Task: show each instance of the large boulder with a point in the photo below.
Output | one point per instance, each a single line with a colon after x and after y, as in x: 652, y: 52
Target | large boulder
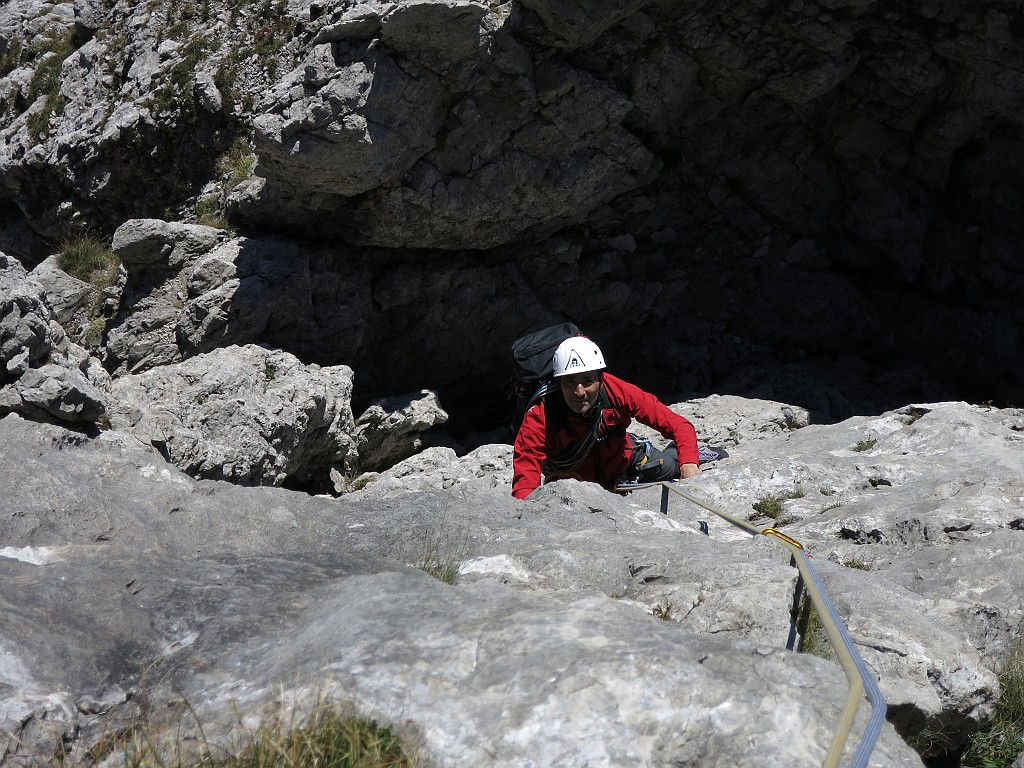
x: 170, y: 586
x: 43, y: 375
x: 392, y: 428
x: 913, y: 519
x: 156, y: 256
x: 30, y: 332
x: 246, y: 414
x: 70, y: 297
x: 191, y: 289
x: 336, y: 146
x: 928, y: 497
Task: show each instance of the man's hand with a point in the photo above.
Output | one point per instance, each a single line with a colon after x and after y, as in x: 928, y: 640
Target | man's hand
x: 688, y: 470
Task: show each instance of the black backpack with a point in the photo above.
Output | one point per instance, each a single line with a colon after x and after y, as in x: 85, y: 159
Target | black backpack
x: 531, y: 366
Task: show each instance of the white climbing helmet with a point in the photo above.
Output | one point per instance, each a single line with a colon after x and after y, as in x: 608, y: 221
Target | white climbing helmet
x: 577, y: 354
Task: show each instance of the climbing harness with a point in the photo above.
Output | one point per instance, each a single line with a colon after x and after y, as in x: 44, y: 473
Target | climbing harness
x: 860, y: 679
x: 649, y: 464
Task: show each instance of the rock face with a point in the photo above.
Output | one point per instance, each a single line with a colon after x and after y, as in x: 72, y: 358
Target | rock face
x: 157, y: 257
x: 193, y: 289
x: 42, y: 374
x: 632, y: 166
x: 391, y: 430
x: 813, y: 205
x: 442, y: 160
x: 247, y: 414
x: 583, y: 625
x: 243, y: 414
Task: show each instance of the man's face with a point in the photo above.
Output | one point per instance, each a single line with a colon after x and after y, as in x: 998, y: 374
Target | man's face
x: 580, y: 391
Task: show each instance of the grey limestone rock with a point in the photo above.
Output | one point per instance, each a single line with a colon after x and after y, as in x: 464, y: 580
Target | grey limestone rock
x: 751, y: 176
x: 57, y: 392
x: 568, y: 24
x: 29, y: 332
x: 192, y: 289
x: 360, y: 130
x: 728, y: 420
x: 922, y: 496
x: 311, y: 596
x: 913, y: 517
x: 456, y: 98
x: 43, y: 373
x: 692, y: 164
x: 520, y: 691
x: 81, y: 308
x: 391, y: 429
x: 68, y: 295
x: 156, y: 256
x: 393, y: 123
x: 245, y: 414
x: 439, y: 468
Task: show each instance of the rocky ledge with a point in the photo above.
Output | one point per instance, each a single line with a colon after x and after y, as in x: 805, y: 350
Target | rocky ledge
x: 583, y: 627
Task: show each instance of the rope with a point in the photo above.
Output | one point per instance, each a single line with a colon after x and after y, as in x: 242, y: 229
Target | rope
x: 573, y: 455
x: 858, y: 676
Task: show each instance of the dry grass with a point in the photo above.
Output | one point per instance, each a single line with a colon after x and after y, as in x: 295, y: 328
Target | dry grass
x: 328, y: 737
x: 1003, y: 741
x: 89, y: 259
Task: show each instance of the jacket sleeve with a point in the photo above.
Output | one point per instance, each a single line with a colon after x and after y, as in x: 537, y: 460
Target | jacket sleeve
x: 647, y: 409
x: 528, y: 454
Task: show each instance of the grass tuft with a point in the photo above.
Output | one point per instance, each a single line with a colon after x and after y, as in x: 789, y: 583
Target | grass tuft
x: 933, y: 741
x: 999, y: 745
x: 326, y: 739
x: 89, y: 259
x: 771, y: 506
x: 768, y: 506
x: 10, y: 58
x: 331, y: 736
x: 663, y: 612
x: 237, y: 162
x: 46, y: 81
x: 208, y: 213
x: 813, y: 637
x: 443, y: 566
x: 443, y: 550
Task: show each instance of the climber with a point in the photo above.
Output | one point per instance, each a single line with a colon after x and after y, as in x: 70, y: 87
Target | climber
x: 579, y: 429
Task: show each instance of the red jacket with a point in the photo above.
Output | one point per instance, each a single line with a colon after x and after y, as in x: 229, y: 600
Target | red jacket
x: 611, y: 457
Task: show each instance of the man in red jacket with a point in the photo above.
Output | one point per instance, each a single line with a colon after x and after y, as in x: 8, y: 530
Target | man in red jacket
x: 579, y: 431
